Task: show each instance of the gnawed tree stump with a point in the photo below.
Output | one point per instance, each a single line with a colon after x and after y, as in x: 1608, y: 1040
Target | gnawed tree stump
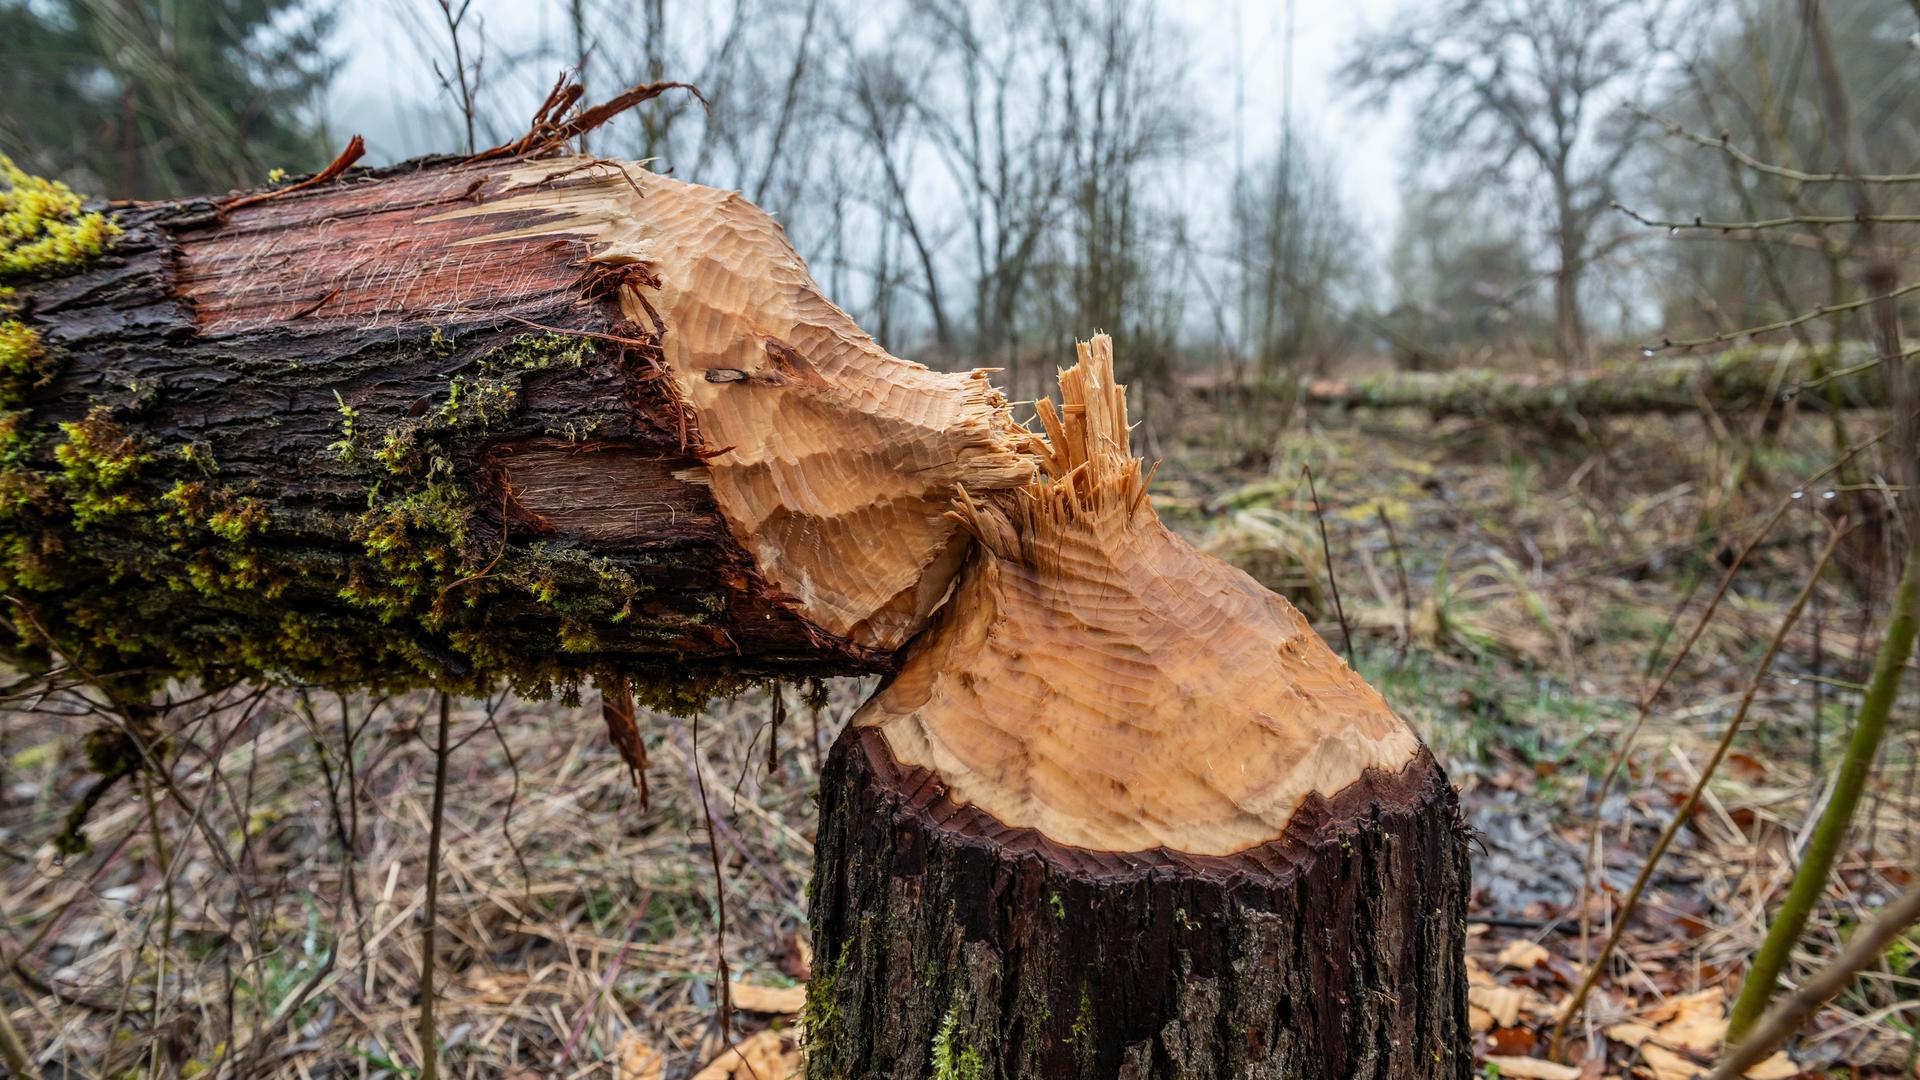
x: 1122, y: 813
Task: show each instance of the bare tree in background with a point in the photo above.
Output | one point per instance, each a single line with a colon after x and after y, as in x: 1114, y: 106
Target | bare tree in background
x: 982, y: 171
x: 881, y: 100
x: 1297, y: 251
x: 1123, y: 114
x: 1531, y: 83
x: 993, y: 111
x: 1749, y: 79
x: 1463, y: 282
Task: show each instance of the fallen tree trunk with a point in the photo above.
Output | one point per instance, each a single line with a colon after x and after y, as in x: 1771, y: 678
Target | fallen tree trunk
x: 458, y: 422
x: 1737, y: 379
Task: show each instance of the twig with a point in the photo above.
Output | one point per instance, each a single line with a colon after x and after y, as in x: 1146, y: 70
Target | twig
x: 1810, y: 878
x: 1870, y: 724
x: 719, y: 892
x: 1821, y: 220
x: 1597, y: 964
x: 1841, y: 373
x: 459, y: 63
x: 1784, y: 1019
x: 1724, y: 144
x: 1400, y: 569
x: 513, y: 793
x: 1820, y: 312
x: 1673, y: 666
x: 429, y: 1037
x: 1326, y: 552
x: 166, y: 918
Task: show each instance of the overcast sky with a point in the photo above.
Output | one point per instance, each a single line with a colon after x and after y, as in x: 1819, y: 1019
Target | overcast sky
x: 387, y: 93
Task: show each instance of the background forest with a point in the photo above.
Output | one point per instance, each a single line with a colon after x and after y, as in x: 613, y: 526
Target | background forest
x: 1568, y: 306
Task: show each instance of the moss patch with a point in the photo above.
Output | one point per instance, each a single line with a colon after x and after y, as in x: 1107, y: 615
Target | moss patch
x: 44, y: 227
x: 949, y: 1063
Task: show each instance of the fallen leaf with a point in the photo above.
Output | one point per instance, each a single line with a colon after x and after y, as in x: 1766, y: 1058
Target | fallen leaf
x: 1514, y: 1041
x: 758, y: 1057
x: 1526, y: 1068
x: 635, y: 1059
x: 1478, y: 1018
x: 1712, y: 1000
x: 1694, y: 1022
x: 1501, y: 1002
x: 1746, y: 766
x: 1523, y: 954
x: 752, y: 997
x: 1777, y: 1067
x: 1665, y: 1064
x: 1629, y: 1033
x: 1700, y: 1032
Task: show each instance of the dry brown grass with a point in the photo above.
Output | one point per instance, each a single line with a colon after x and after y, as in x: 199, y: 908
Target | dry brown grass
x: 568, y: 918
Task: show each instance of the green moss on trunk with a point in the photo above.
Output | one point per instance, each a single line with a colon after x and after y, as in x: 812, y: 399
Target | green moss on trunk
x: 338, y: 506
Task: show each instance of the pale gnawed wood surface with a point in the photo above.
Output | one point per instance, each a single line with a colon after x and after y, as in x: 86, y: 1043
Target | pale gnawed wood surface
x: 1097, y: 679
x: 833, y: 461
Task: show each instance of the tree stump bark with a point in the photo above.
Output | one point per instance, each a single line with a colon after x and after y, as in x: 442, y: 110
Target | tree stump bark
x: 1333, y: 951
x: 1120, y: 812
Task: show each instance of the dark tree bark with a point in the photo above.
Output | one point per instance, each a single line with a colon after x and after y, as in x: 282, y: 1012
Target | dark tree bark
x: 1334, y: 951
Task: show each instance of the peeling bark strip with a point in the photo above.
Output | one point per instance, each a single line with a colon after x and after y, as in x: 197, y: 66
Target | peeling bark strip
x: 452, y: 422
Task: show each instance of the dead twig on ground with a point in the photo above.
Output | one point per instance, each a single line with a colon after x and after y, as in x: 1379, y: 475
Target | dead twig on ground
x: 1597, y: 965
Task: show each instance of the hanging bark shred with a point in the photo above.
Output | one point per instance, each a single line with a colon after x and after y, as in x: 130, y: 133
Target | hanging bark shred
x: 616, y: 706
x: 356, y: 149
x: 552, y: 127
x: 777, y: 714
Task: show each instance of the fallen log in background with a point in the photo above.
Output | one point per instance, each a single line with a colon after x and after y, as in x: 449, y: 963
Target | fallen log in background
x: 1736, y: 379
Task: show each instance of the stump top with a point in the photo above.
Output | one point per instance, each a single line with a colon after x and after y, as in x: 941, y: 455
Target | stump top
x: 1098, y: 680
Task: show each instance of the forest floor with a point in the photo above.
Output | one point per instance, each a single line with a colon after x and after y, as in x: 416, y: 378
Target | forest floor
x: 1514, y: 596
